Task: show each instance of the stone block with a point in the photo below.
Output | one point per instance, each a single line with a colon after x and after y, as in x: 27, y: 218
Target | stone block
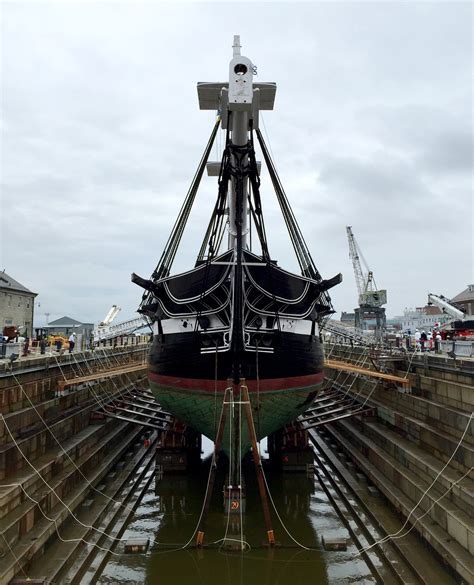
x: 470, y: 541
x: 334, y: 543
x: 30, y: 581
x: 136, y: 545
x: 458, y: 531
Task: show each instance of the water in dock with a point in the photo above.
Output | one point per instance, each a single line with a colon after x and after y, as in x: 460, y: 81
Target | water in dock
x: 169, y: 513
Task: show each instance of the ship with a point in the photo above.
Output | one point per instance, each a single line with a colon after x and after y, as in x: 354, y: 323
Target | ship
x: 236, y: 317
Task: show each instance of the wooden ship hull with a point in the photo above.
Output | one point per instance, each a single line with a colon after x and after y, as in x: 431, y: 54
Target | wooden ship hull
x: 236, y: 318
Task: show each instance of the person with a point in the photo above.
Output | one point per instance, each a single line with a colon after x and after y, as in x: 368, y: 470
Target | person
x: 4, y: 340
x: 438, y: 342
x: 423, y: 339
x: 26, y: 346
x: 42, y: 345
x: 72, y: 342
x: 417, y: 338
x: 59, y: 345
x: 430, y: 339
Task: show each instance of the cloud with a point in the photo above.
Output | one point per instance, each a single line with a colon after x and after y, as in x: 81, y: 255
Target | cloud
x: 101, y: 137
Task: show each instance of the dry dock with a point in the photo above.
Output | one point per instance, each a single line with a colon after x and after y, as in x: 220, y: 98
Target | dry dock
x: 74, y: 467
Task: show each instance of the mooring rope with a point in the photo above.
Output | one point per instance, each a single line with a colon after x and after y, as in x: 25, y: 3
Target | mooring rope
x: 397, y: 535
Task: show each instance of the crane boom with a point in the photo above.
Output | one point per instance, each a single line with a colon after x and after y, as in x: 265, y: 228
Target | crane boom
x: 446, y: 306
x: 368, y: 293
x: 114, y: 311
x: 354, y: 256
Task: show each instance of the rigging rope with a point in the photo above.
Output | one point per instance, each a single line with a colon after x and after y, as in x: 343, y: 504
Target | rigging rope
x: 164, y: 265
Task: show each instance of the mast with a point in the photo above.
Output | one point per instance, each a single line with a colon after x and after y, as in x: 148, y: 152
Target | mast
x: 240, y: 112
x: 238, y: 102
x: 240, y: 108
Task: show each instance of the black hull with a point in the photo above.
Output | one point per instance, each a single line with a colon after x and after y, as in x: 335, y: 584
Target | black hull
x: 179, y: 354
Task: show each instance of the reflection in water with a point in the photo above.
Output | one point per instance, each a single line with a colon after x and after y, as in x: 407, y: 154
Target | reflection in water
x: 181, y: 500
x: 169, y: 515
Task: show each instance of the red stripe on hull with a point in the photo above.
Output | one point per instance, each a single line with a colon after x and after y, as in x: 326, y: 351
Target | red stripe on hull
x: 269, y: 385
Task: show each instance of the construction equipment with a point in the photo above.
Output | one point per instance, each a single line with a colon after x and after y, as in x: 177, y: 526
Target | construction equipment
x: 114, y: 311
x: 447, y: 306
x: 106, y: 330
x: 462, y: 326
x: 370, y: 313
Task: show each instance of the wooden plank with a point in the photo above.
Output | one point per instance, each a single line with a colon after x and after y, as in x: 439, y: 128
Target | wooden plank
x: 346, y: 367
x: 62, y: 384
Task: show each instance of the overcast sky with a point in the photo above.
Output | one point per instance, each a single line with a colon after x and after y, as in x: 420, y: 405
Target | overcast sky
x: 101, y: 136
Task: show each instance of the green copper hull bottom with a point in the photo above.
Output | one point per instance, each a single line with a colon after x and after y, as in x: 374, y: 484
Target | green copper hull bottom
x: 201, y: 410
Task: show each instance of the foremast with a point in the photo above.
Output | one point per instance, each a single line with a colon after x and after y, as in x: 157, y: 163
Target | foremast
x: 239, y: 106
x: 267, y: 309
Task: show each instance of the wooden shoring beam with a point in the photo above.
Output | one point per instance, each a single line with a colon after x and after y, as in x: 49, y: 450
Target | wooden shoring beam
x: 137, y: 412
x: 144, y: 402
x: 139, y: 398
x: 62, y: 384
x: 312, y: 416
x: 351, y: 368
x: 326, y: 397
x: 245, y: 399
x: 308, y: 426
x: 321, y: 407
x: 142, y: 423
x: 156, y: 409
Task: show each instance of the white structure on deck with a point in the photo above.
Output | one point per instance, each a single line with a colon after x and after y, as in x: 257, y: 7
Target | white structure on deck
x: 106, y: 330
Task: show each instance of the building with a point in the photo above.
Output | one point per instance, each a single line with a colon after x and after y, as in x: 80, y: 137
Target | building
x: 348, y: 318
x: 17, y: 304
x: 67, y: 325
x: 395, y: 323
x: 426, y: 318
x: 465, y: 299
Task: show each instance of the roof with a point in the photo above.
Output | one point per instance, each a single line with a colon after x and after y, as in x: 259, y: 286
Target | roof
x: 7, y: 282
x: 465, y: 295
x: 432, y: 310
x: 63, y: 321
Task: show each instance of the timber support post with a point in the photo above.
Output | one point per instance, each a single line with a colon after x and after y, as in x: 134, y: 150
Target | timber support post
x: 245, y: 398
